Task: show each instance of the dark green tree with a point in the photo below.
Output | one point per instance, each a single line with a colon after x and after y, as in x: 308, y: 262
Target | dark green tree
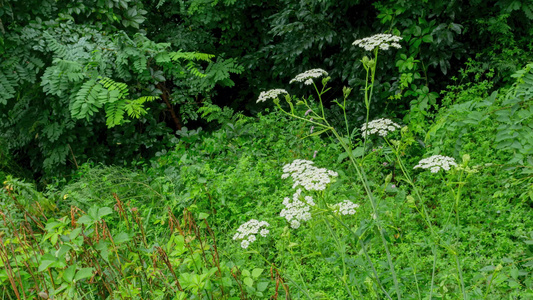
x: 82, y: 81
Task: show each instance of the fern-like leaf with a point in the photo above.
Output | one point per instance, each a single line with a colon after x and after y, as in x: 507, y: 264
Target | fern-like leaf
x: 115, y: 113
x: 7, y: 88
x: 112, y: 85
x: 219, y: 72
x: 190, y: 56
x: 191, y: 66
x: 53, y: 82
x: 135, y: 108
x: 528, y: 10
x: 86, y: 101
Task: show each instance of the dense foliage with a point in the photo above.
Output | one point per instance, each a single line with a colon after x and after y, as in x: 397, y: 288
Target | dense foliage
x: 151, y: 55
x: 401, y: 171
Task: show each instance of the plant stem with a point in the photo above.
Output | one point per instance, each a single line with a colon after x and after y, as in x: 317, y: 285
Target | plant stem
x: 433, y: 271
x: 494, y: 274
x: 460, y: 275
x: 362, y: 177
x: 342, y: 252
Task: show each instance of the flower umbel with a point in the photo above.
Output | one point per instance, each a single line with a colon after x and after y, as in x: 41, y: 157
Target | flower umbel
x: 380, y: 126
x: 308, y: 76
x: 297, y: 211
x: 346, y: 207
x: 304, y: 174
x: 271, y: 94
x: 383, y: 40
x: 436, y: 162
x: 247, y: 232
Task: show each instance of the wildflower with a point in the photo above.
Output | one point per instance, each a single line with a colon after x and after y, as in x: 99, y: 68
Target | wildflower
x: 383, y: 41
x: 314, y: 154
x: 312, y: 128
x: 307, y: 76
x: 380, y: 126
x: 308, y: 111
x: 297, y: 210
x: 393, y: 186
x: 247, y: 232
x: 271, y: 94
x: 436, y: 162
x: 295, y: 224
x: 346, y: 207
x: 308, y: 176
x: 245, y: 244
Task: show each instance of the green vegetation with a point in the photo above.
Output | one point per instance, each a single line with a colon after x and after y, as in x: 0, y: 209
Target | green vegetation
x: 250, y: 150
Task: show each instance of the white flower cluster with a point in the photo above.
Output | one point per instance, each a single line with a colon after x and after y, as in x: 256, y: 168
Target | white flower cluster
x: 297, y: 211
x: 436, y: 162
x: 307, y: 76
x: 308, y: 176
x: 346, y: 207
x: 383, y: 40
x: 247, y: 232
x: 379, y: 126
x: 271, y: 94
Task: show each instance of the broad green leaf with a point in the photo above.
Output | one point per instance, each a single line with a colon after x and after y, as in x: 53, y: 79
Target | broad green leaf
x: 103, y: 247
x: 84, y: 273
x: 85, y: 219
x: 62, y: 251
x: 45, y: 264
x: 262, y: 286
x: 257, y: 272
x: 358, y: 152
x: 68, y: 275
x: 513, y: 284
x: 427, y: 38
x: 487, y: 269
x: 104, y: 211
x: 180, y: 243
x: 248, y: 281
x: 74, y: 233
x: 121, y: 238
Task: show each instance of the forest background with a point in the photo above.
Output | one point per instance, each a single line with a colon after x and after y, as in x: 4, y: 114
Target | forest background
x: 132, y: 143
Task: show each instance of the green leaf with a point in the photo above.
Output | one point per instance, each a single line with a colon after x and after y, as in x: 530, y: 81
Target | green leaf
x: 257, y: 272
x: 103, y: 247
x: 427, y: 38
x: 63, y: 250
x: 487, y: 269
x: 104, y: 211
x: 248, y: 281
x: 68, y: 275
x: 45, y: 264
x: 180, y: 243
x: 85, y: 219
x: 358, y: 152
x: 262, y: 286
x: 121, y: 238
x: 74, y: 233
x: 84, y: 273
